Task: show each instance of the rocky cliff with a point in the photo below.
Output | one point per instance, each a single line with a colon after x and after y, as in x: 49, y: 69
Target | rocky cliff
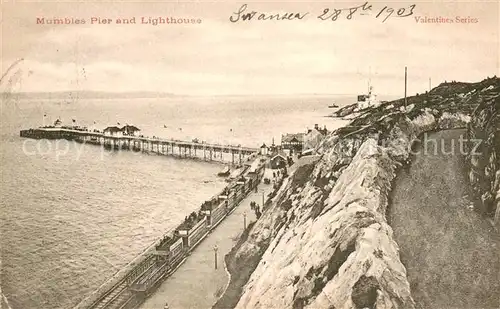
x: 324, y: 241
x: 483, y: 132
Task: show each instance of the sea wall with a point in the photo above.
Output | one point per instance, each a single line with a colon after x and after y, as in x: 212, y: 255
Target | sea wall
x: 484, y: 158
x: 324, y: 242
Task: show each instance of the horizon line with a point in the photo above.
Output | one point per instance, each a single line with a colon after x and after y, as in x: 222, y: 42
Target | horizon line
x: 173, y: 94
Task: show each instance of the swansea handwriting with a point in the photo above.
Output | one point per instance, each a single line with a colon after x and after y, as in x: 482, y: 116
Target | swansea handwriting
x: 328, y: 14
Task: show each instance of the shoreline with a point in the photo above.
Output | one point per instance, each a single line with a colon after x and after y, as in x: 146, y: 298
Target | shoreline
x: 114, y: 282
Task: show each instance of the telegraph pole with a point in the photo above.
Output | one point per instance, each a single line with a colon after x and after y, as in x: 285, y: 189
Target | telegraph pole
x: 430, y: 84
x: 215, y: 253
x: 406, y: 82
x: 271, y: 227
x: 245, y: 220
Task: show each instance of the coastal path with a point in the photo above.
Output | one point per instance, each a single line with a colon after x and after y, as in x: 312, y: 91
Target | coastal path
x: 452, y: 255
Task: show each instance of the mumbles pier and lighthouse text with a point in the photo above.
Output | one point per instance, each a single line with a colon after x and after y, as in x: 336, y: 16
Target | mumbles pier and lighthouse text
x: 96, y: 20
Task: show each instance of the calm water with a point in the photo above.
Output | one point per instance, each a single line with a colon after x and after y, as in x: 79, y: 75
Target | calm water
x: 72, y: 215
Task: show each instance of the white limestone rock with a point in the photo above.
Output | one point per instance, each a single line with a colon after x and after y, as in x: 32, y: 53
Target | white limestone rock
x: 453, y: 120
x: 314, y: 262
x: 330, y: 244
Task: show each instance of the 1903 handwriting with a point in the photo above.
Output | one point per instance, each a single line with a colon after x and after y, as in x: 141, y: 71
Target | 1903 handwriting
x: 364, y: 9
x: 328, y: 14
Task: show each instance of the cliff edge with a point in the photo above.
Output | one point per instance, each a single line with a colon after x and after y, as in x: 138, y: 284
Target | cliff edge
x: 484, y: 163
x: 324, y: 241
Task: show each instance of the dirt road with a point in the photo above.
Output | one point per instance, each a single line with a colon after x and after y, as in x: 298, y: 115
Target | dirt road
x: 452, y: 255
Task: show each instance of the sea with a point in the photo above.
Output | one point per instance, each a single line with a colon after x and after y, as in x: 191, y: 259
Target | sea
x: 72, y: 215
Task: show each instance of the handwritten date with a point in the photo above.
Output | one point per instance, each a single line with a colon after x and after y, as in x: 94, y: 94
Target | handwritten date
x: 364, y: 9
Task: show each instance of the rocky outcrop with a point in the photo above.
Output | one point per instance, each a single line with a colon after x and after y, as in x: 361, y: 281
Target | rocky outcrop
x: 332, y: 237
x: 324, y: 242
x: 483, y: 134
x: 344, y: 111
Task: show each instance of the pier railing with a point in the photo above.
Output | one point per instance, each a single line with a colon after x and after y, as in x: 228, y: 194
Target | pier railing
x: 178, y: 148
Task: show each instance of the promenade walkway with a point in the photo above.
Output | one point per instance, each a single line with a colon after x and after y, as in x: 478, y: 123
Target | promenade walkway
x: 197, y: 284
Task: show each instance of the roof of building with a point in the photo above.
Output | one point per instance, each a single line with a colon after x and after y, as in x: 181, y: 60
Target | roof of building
x: 112, y: 129
x: 129, y: 128
x: 279, y: 153
x: 291, y: 136
x: 126, y: 128
x: 317, y: 128
x: 322, y: 131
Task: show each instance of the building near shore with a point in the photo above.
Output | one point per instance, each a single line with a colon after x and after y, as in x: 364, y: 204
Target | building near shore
x: 113, y: 131
x: 264, y: 150
x: 294, y: 142
x: 313, y: 137
x: 130, y: 130
x: 127, y: 130
x: 368, y: 100
x: 278, y: 160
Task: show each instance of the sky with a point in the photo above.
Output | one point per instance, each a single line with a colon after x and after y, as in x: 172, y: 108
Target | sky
x: 256, y: 57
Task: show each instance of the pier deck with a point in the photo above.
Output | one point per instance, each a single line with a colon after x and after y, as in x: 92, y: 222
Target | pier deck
x: 183, y: 149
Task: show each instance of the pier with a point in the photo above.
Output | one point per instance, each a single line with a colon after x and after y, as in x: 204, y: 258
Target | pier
x: 231, y: 154
x: 130, y: 287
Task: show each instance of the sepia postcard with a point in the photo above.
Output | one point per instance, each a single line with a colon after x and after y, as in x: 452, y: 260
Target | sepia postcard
x: 304, y: 154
